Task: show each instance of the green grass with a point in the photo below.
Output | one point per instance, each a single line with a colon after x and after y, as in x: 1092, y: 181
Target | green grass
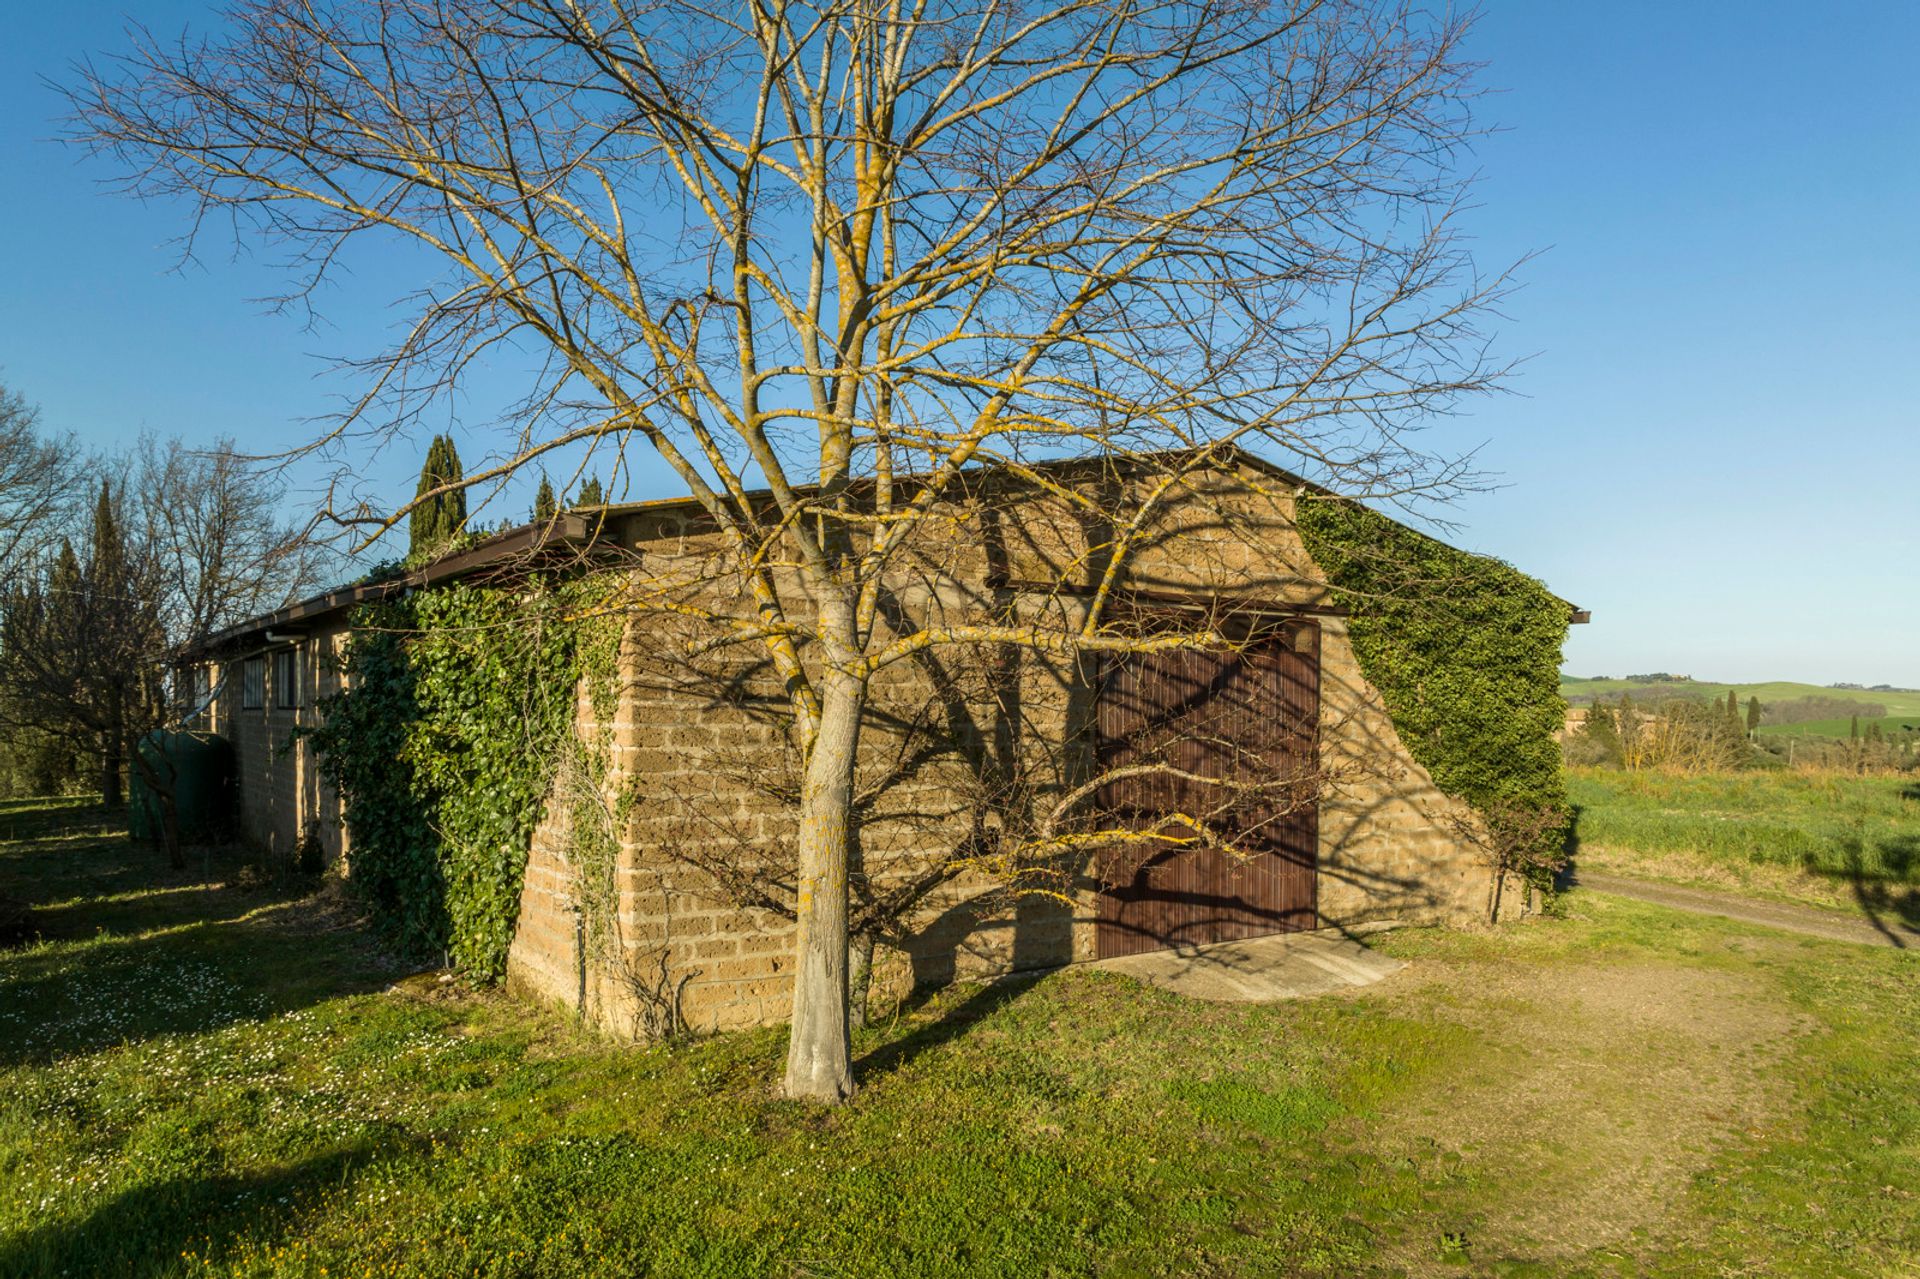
x: 1897, y: 704
x: 1894, y: 726
x: 1828, y: 839
x: 1845, y: 828
x: 198, y: 1077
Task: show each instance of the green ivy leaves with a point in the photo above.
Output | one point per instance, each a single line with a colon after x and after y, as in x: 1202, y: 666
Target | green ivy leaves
x: 442, y: 747
x: 1465, y: 651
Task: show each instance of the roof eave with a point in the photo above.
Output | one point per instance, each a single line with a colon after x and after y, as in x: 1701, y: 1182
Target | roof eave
x: 569, y: 528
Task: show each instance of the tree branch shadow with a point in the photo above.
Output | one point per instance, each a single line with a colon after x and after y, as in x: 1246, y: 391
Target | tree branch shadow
x: 1885, y: 893
x: 950, y: 1025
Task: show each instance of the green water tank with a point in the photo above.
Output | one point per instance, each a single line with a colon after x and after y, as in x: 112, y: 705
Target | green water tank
x: 201, y: 765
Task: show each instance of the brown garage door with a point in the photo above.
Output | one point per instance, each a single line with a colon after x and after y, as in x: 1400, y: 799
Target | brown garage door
x: 1248, y: 719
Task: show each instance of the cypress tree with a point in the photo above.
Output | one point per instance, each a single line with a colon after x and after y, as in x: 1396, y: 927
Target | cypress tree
x: 439, y: 519
x: 543, y: 506
x: 1733, y: 706
x: 64, y: 583
x: 108, y: 588
x: 1753, y: 714
x: 590, y: 492
x: 1853, y: 732
x: 107, y: 560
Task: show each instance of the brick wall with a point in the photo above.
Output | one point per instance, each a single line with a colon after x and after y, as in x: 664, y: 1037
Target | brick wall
x: 696, y: 765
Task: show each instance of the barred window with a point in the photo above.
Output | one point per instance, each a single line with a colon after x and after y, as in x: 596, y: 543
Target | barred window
x: 286, y: 678
x: 253, y: 684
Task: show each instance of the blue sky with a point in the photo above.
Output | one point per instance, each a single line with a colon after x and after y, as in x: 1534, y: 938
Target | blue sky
x: 1713, y: 443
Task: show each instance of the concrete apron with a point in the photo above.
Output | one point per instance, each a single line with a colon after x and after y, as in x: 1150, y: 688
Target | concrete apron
x: 1263, y: 969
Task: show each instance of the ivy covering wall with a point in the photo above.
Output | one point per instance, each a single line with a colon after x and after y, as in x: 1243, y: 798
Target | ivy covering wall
x: 1465, y: 651
x: 442, y: 745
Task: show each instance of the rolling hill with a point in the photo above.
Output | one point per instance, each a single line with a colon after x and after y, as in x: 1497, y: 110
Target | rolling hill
x: 1902, y: 707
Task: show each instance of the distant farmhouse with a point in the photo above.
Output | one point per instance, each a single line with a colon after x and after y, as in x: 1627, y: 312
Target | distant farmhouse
x: 1371, y: 837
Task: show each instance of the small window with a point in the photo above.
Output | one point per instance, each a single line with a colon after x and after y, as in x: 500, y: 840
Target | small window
x: 253, y: 683
x: 286, y: 678
x: 194, y: 685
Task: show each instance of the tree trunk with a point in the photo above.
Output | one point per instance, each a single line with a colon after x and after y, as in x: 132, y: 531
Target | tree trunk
x: 859, y: 978
x: 170, y: 832
x: 113, y: 750
x: 110, y: 793
x: 820, y: 1056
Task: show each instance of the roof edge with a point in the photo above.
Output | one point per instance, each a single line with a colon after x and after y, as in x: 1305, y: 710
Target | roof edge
x: 573, y: 528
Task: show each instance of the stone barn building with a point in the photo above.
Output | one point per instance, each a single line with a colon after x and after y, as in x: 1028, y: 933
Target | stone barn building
x: 691, y: 932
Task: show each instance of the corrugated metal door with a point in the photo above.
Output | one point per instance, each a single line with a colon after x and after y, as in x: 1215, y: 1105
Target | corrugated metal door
x: 1184, y: 718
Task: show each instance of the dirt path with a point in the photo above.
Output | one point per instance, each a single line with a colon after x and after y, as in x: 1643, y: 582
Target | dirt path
x: 1794, y: 919
x: 1605, y: 1089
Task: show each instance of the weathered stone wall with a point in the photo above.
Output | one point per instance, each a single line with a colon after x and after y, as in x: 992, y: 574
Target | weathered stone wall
x: 1389, y: 841
x: 702, y: 769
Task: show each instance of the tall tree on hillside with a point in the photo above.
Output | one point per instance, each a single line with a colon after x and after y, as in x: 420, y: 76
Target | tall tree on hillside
x: 438, y: 513
x: 1753, y: 715
x: 1853, y: 729
x: 1733, y: 706
x: 1600, y: 732
x: 903, y: 244
x: 543, y: 503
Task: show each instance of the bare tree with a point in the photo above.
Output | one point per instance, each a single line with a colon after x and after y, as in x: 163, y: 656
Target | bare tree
x: 37, y: 499
x: 80, y: 640
x: 219, y: 547
x: 36, y: 486
x: 190, y: 542
x: 847, y: 252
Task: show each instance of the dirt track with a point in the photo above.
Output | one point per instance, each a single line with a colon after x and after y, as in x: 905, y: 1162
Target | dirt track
x: 1868, y: 931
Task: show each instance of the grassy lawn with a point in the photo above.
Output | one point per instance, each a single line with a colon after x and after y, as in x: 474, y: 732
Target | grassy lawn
x: 1828, y: 839
x: 198, y: 1076
x: 1897, y: 728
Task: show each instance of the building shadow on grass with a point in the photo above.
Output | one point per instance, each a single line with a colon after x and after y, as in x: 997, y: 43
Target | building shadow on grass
x: 1568, y: 875
x: 146, y: 1230
x: 129, y: 949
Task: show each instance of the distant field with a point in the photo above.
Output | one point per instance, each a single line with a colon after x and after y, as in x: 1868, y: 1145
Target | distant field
x: 1899, y: 705
x: 1833, y: 840
x: 1894, y: 726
